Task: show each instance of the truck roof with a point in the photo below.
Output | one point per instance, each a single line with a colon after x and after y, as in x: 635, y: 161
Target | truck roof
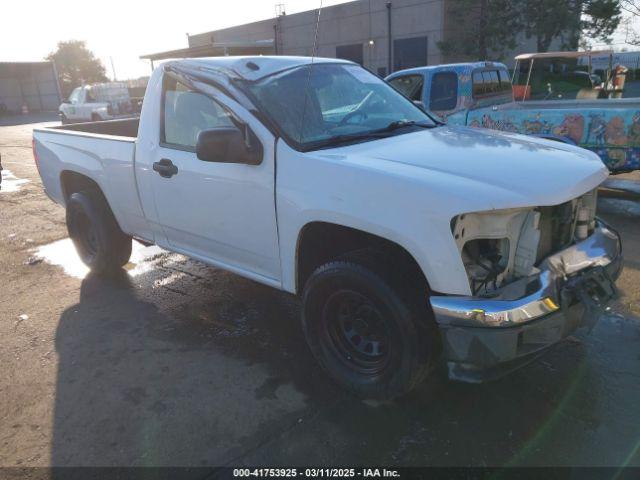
x: 465, y: 67
x: 528, y: 56
x: 253, y: 67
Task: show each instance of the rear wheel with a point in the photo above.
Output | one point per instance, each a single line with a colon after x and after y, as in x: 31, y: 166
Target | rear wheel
x: 63, y: 119
x: 100, y: 243
x: 365, y: 331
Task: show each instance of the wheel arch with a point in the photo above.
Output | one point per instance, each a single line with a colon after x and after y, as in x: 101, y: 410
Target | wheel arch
x: 72, y: 182
x: 319, y: 242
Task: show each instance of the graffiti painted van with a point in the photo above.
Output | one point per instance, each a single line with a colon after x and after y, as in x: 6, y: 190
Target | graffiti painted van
x: 480, y: 94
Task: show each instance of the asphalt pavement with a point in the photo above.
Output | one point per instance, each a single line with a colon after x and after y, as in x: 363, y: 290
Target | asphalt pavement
x: 174, y: 363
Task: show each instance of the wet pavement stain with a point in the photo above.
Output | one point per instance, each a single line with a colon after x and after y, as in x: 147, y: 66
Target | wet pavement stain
x: 269, y: 387
x: 63, y: 254
x: 11, y: 183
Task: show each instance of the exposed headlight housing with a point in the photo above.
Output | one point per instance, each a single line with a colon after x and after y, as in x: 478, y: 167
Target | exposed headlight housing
x: 490, y: 249
x: 500, y: 246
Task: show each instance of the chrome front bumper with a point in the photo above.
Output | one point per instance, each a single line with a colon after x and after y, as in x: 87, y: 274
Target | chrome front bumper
x: 483, y: 336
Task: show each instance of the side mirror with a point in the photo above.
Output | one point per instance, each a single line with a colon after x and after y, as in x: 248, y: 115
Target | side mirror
x: 229, y: 145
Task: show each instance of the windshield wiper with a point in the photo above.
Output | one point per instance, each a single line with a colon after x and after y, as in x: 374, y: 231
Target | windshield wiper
x: 346, y: 138
x: 398, y: 124
x: 372, y: 134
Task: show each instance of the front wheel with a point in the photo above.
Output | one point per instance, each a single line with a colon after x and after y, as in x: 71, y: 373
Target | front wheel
x: 100, y: 243
x: 362, y: 331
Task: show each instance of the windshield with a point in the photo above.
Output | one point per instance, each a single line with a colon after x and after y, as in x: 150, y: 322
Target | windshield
x: 342, y: 102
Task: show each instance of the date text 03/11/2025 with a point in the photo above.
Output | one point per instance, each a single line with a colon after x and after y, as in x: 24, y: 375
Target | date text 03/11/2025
x: 315, y: 472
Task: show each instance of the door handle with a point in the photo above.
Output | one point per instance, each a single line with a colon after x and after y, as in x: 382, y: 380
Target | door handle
x: 165, y: 168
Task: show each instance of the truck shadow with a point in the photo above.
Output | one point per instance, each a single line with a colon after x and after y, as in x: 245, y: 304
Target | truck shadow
x: 150, y: 377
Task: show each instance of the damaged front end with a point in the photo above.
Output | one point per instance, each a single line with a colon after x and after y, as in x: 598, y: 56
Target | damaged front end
x: 535, y: 275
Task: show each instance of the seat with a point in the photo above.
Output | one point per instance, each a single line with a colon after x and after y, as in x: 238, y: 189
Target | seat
x: 193, y: 113
x: 588, y: 94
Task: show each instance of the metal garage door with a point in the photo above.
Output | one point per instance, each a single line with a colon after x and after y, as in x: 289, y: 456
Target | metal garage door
x: 33, y: 84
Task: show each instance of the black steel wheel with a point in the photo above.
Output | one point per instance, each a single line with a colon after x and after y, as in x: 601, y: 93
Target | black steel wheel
x: 86, y: 237
x: 364, y: 332
x: 100, y: 243
x: 356, y: 332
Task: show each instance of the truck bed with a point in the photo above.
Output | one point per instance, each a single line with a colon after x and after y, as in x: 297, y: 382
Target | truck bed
x: 610, y: 128
x: 614, y: 103
x: 101, y: 151
x: 127, y: 127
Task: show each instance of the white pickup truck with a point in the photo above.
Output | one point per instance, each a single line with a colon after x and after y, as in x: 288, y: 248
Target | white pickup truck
x: 411, y: 244
x: 100, y: 101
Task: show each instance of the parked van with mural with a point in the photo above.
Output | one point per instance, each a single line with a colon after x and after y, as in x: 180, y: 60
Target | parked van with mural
x: 599, y: 117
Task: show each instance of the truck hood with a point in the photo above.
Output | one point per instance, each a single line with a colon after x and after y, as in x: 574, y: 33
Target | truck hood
x: 491, y: 169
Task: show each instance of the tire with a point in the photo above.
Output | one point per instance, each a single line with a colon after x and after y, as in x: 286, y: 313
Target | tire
x: 366, y: 331
x: 100, y: 243
x: 95, y: 117
x: 63, y: 119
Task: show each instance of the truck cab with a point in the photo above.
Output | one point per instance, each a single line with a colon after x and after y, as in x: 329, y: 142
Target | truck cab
x: 445, y: 90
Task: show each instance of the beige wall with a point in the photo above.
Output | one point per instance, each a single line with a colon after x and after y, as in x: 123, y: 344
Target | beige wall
x: 353, y: 23
x: 345, y: 24
x: 361, y: 21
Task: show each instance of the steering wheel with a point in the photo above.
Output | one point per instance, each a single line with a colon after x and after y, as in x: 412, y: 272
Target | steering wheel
x: 356, y: 110
x: 350, y: 115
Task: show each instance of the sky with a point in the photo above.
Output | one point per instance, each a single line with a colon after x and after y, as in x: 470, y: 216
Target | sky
x: 123, y: 30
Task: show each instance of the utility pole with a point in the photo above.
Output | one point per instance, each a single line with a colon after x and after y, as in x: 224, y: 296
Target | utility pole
x: 280, y: 11
x: 113, y: 68
x: 390, y: 54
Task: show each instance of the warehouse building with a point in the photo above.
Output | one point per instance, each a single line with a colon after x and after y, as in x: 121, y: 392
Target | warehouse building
x: 33, y: 85
x: 382, y: 35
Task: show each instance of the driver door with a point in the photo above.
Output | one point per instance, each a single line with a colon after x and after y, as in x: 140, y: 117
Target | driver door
x: 71, y: 109
x: 223, y: 213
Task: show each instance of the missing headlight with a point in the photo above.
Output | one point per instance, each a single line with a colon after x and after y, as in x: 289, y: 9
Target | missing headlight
x: 485, y: 260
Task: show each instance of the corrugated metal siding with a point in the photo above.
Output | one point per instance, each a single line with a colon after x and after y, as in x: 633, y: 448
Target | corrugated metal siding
x: 34, y: 84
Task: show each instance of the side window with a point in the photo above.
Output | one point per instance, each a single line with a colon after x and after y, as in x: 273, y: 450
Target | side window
x: 186, y: 113
x: 478, y: 84
x: 505, y: 81
x: 444, y: 91
x: 410, y: 86
x: 90, y: 98
x: 73, y: 98
x: 490, y: 82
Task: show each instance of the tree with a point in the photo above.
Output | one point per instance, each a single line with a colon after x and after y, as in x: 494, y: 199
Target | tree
x: 633, y: 8
x: 569, y: 20
x: 76, y: 64
x: 482, y: 29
